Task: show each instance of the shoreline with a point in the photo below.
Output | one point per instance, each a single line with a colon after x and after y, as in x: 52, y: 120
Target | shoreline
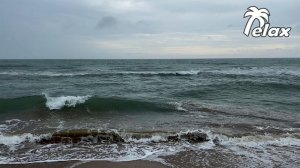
x: 88, y: 164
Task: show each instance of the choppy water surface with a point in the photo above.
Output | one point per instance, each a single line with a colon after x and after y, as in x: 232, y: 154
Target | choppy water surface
x: 248, y: 108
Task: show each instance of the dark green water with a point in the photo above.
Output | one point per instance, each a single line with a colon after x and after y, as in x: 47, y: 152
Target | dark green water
x: 271, y: 84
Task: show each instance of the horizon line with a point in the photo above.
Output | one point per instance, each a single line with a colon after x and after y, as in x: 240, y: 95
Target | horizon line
x: 148, y: 58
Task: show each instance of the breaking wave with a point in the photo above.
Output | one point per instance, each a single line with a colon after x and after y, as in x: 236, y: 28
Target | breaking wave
x: 70, y: 74
x: 166, y: 73
x: 114, y: 136
x: 258, y: 71
x: 125, y: 146
x: 234, y: 71
x: 81, y: 103
x: 56, y: 103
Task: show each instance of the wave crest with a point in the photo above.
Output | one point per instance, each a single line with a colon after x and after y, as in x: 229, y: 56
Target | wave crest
x: 176, y: 73
x: 87, y: 103
x: 93, y: 73
x: 56, y: 103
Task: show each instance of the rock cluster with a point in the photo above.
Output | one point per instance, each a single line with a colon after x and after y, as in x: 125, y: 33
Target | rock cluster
x: 94, y: 136
x: 194, y: 137
x: 76, y: 136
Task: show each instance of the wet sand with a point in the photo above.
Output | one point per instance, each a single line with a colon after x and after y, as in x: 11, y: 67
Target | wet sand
x: 209, y: 158
x: 90, y: 164
x: 185, y: 159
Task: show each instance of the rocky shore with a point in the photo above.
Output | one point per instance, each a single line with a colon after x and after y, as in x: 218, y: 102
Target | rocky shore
x: 95, y: 136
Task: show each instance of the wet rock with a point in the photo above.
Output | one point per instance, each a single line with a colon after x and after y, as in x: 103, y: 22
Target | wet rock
x: 141, y: 135
x: 173, y: 138
x: 76, y: 136
x: 66, y: 140
x: 109, y: 137
x: 94, y: 136
x: 195, y: 137
x: 216, y: 141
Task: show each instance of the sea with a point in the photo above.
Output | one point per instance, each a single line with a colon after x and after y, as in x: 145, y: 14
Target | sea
x: 182, y: 113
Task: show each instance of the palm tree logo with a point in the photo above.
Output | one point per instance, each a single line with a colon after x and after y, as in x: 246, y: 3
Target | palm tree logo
x: 262, y: 15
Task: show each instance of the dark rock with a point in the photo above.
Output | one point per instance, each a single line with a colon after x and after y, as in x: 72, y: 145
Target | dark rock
x: 141, y: 135
x: 173, y: 138
x: 216, y: 141
x: 76, y: 136
x: 66, y: 140
x: 195, y: 137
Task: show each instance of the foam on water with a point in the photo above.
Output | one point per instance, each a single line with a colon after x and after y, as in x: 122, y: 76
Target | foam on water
x: 262, y: 140
x: 179, y: 106
x: 151, y: 148
x: 56, y: 103
x: 183, y: 73
x: 13, y: 141
x: 154, y: 138
x: 3, y: 127
x: 66, y: 74
x: 259, y: 71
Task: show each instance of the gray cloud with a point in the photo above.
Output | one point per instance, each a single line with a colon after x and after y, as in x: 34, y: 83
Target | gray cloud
x: 136, y: 28
x: 106, y: 22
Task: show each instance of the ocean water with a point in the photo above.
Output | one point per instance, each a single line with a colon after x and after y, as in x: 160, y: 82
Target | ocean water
x: 248, y: 108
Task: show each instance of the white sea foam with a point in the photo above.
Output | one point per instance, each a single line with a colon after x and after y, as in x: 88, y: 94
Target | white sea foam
x: 57, y: 74
x: 9, y: 125
x: 12, y: 121
x: 154, y: 138
x: 179, y: 106
x: 56, y: 103
x: 258, y: 71
x: 261, y: 71
x: 264, y: 150
x: 256, y: 141
x: 12, y: 141
x: 3, y: 127
x: 15, y: 139
x: 191, y: 72
x: 135, y: 149
x: 262, y: 140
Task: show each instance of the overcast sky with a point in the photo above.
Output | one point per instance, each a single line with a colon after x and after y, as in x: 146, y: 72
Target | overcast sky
x: 142, y: 29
